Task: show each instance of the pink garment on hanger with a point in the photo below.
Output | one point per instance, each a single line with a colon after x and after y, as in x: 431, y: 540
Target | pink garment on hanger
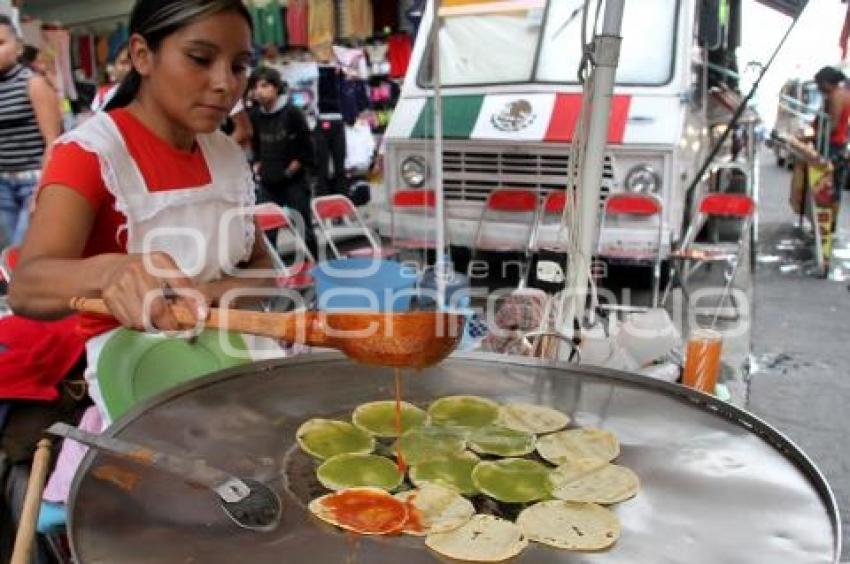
x: 59, y: 42
x: 296, y: 23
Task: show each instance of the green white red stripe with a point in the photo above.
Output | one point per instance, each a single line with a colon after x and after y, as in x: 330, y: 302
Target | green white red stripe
x: 537, y: 117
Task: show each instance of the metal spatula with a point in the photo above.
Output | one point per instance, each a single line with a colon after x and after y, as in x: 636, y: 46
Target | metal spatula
x: 249, y: 503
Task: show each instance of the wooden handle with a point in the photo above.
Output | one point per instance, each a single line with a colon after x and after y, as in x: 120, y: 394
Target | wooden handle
x: 300, y: 327
x: 25, y: 538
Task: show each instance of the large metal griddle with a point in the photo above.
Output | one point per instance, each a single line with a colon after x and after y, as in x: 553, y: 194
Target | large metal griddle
x: 719, y: 485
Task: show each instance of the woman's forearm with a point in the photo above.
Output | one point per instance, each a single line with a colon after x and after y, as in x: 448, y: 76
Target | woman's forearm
x: 42, y: 287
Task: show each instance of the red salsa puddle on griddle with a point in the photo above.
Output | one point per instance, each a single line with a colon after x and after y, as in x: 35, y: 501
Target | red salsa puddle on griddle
x: 368, y: 512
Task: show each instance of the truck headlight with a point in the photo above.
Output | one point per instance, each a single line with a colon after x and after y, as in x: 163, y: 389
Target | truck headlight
x: 414, y: 171
x: 643, y: 179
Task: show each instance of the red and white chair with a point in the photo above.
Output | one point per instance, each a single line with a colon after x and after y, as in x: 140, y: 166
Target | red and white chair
x: 413, y: 222
x: 690, y: 255
x: 627, y: 207
x: 271, y: 217
x: 337, y: 215
x: 507, y: 226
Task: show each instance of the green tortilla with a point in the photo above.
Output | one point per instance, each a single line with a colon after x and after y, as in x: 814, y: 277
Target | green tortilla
x: 379, y: 418
x: 454, y: 471
x: 501, y: 441
x: 324, y: 438
x: 463, y: 411
x: 426, y: 443
x: 513, y: 480
x: 359, y: 470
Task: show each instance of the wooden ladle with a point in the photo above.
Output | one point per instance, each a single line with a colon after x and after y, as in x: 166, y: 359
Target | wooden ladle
x: 403, y: 340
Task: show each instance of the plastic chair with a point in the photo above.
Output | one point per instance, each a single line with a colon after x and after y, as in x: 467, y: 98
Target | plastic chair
x: 271, y: 217
x: 690, y: 252
x: 334, y: 209
x: 635, y: 206
x: 412, y: 225
x: 507, y: 225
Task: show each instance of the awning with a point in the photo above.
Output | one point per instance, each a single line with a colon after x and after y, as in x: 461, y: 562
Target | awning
x: 788, y: 7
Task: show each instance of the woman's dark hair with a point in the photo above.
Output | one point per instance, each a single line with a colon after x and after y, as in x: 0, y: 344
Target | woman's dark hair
x: 271, y: 76
x: 28, y: 55
x: 829, y: 75
x: 157, y: 19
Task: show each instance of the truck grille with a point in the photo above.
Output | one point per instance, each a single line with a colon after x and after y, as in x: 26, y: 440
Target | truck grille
x: 471, y: 175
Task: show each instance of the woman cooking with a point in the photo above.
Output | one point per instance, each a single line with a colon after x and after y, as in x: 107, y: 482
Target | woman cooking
x: 139, y: 205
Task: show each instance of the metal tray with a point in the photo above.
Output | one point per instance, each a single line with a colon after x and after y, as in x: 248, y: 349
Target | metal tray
x: 718, y: 485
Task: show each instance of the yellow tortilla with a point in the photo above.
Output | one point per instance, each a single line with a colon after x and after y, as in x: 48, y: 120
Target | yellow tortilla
x: 570, y: 525
x: 483, y: 538
x: 575, y: 444
x: 438, y: 509
x: 530, y: 418
x: 593, y: 480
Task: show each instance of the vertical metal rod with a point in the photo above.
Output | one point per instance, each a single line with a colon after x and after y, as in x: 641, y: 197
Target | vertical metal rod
x: 440, y: 270
x: 606, y: 54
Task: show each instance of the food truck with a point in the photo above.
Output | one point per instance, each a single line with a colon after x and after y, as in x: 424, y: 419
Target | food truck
x: 511, y: 98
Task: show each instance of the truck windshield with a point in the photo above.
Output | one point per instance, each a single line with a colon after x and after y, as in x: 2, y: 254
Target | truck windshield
x: 525, y: 46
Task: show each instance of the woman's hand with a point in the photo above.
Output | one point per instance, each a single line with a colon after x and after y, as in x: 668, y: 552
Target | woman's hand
x: 140, y: 290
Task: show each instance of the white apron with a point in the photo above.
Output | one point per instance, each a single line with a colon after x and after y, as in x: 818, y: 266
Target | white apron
x: 197, y: 226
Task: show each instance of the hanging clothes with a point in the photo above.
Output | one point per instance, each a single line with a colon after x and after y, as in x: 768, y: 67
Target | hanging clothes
x: 353, y: 99
x: 329, y: 136
x: 400, y: 50
x: 378, y: 63
x: 268, y: 23
x: 355, y: 17
x: 352, y: 62
x: 102, y: 50
x: 59, y: 43
x: 321, y: 28
x: 117, y: 39
x: 303, y: 81
x: 296, y: 23
x: 85, y: 50
x: 359, y: 146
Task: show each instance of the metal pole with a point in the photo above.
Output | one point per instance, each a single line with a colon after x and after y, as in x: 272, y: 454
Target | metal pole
x: 606, y: 57
x: 440, y: 270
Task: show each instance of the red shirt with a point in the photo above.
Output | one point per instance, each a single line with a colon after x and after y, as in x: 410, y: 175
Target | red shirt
x: 163, y: 168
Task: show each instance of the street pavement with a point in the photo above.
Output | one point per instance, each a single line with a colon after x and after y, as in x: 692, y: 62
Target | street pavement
x: 799, y: 381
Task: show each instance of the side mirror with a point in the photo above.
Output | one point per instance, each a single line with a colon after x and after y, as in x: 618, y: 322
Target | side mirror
x: 711, y: 26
